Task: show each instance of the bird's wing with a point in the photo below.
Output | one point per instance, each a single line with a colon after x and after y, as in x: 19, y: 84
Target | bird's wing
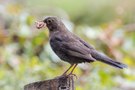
x: 72, y: 47
x: 78, y: 50
x: 83, y: 42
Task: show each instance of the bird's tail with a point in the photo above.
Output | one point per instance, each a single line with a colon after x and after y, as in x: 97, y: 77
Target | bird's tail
x: 103, y: 58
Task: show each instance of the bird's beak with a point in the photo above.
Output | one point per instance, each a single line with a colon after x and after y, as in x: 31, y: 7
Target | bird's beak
x: 40, y: 24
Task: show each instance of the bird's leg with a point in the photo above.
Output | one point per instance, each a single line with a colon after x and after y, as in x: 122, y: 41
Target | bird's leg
x: 68, y: 69
x: 71, y: 73
x: 73, y: 68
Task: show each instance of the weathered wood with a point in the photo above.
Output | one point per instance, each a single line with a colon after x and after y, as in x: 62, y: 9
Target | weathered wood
x: 58, y: 83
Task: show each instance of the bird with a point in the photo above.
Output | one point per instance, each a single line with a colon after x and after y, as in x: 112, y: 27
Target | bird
x: 71, y: 48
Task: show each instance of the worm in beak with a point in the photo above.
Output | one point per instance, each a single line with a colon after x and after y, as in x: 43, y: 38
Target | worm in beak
x: 40, y: 24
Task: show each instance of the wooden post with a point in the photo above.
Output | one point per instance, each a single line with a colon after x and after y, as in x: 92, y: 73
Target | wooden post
x: 58, y: 83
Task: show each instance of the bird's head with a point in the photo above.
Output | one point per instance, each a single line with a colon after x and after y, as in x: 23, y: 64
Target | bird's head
x: 51, y: 22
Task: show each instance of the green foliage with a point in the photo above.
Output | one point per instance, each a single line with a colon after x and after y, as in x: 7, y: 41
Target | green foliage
x: 25, y: 54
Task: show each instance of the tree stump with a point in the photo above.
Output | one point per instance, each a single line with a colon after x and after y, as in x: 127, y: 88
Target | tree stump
x: 58, y: 83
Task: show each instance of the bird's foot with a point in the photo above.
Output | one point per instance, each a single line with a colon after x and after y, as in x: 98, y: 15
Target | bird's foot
x: 61, y: 76
x: 64, y: 74
x: 73, y: 75
x: 69, y: 75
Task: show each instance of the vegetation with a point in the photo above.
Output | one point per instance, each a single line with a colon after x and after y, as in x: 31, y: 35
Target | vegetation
x: 25, y: 54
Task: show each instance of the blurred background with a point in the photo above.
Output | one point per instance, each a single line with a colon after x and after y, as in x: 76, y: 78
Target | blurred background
x: 26, y: 56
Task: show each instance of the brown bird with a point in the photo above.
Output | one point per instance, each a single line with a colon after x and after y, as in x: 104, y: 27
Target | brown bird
x: 70, y: 47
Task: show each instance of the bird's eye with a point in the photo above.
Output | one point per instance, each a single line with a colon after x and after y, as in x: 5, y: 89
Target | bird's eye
x: 49, y: 21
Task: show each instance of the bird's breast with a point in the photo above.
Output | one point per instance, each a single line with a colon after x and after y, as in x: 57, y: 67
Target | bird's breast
x: 56, y: 46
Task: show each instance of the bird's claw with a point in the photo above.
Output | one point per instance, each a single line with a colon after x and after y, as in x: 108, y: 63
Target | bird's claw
x: 73, y: 75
